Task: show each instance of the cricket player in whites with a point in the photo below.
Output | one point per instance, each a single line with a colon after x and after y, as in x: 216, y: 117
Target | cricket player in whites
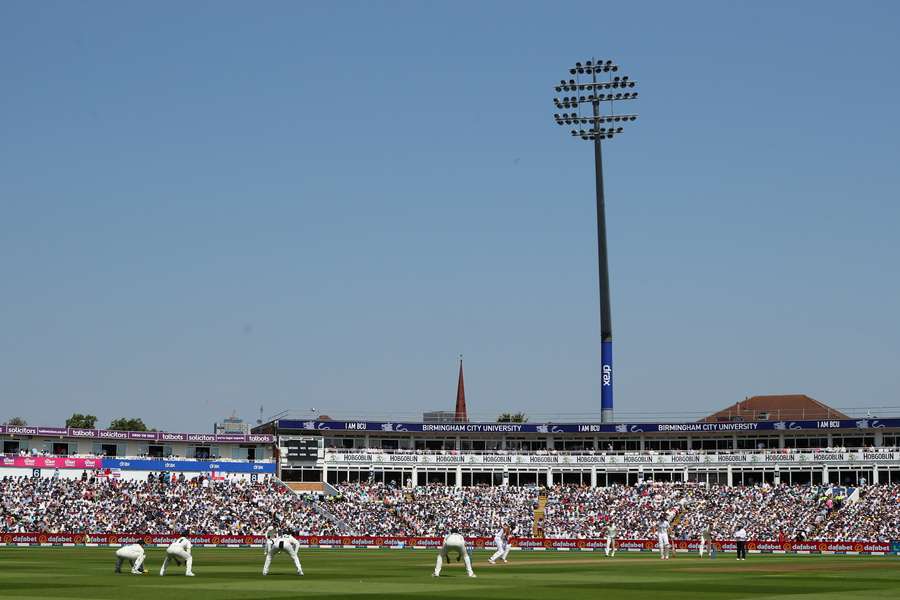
x: 281, y: 543
x: 662, y: 532
x: 501, y: 540
x: 179, y: 550
x: 706, y: 542
x: 134, y: 554
x: 611, y: 539
x: 453, y: 543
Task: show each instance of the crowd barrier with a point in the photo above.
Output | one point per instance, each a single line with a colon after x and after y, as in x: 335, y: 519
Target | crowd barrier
x: 136, y: 464
x: 529, y: 544
x: 50, y: 462
x: 810, y: 458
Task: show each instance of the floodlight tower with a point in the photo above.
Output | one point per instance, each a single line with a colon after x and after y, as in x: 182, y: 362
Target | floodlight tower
x: 588, y: 89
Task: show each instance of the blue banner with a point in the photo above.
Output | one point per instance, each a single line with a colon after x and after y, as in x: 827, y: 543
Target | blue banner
x: 390, y: 426
x: 606, y: 389
x: 895, y: 546
x: 150, y: 464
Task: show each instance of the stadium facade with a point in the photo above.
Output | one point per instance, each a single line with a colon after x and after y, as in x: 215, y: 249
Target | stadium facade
x: 774, y: 439
x: 597, y: 454
x: 69, y: 451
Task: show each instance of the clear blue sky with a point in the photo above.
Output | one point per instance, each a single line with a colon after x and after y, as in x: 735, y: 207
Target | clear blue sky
x: 210, y: 207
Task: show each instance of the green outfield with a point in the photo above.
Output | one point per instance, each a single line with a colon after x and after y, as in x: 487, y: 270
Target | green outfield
x: 235, y: 574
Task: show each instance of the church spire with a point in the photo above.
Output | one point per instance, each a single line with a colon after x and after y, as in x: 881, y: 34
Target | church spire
x: 462, y: 415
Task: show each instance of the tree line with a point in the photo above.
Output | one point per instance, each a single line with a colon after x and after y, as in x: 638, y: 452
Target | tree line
x: 518, y: 417
x: 80, y: 421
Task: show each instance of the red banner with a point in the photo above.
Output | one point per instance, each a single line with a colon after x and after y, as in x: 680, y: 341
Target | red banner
x: 364, y: 541
x: 50, y: 462
x: 118, y: 539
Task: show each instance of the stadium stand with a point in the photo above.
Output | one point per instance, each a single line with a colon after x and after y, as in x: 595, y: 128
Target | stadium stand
x: 199, y: 505
x: 243, y: 507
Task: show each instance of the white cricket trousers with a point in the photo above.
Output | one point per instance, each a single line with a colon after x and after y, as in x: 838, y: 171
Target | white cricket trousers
x: 444, y: 555
x: 273, y: 549
x: 502, y: 550
x: 180, y: 554
x: 136, y: 559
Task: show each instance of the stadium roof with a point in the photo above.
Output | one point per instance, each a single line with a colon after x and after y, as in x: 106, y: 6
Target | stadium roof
x: 776, y: 408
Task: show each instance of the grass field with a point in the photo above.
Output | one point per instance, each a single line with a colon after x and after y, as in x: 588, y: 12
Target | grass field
x: 236, y: 573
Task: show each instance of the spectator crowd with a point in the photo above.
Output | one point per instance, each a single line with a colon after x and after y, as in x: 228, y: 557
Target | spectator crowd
x: 158, y: 505
x: 241, y: 507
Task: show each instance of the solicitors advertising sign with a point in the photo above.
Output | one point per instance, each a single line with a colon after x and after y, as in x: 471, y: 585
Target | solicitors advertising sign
x: 146, y: 436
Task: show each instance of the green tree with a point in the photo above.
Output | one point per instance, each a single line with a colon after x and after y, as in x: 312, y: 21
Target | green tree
x: 124, y: 424
x: 17, y: 422
x: 518, y: 417
x: 80, y: 421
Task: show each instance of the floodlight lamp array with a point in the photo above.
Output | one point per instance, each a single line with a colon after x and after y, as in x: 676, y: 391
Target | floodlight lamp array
x: 593, y: 66
x: 598, y: 96
x: 573, y: 86
x: 570, y: 118
x: 574, y: 101
x: 600, y: 133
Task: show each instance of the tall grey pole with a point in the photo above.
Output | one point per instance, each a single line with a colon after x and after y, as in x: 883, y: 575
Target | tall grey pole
x: 606, y: 390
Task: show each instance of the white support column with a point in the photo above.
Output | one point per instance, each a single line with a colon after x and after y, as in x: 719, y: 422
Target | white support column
x: 879, y: 439
x: 593, y: 476
x: 825, y: 467
x: 730, y: 476
x: 458, y: 476
x: 415, y: 476
x: 549, y: 477
x: 874, y: 475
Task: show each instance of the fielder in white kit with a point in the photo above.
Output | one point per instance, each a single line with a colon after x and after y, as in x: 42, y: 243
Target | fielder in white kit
x: 611, y: 540
x: 178, y: 551
x: 662, y: 532
x: 706, y: 542
x: 453, y: 543
x: 501, y: 540
x: 282, y: 543
x: 134, y: 554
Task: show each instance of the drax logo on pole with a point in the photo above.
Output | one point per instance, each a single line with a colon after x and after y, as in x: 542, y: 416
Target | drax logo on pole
x: 595, y: 83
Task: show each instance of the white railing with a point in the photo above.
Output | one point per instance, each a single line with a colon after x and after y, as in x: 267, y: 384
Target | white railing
x: 780, y: 457
x: 675, y: 452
